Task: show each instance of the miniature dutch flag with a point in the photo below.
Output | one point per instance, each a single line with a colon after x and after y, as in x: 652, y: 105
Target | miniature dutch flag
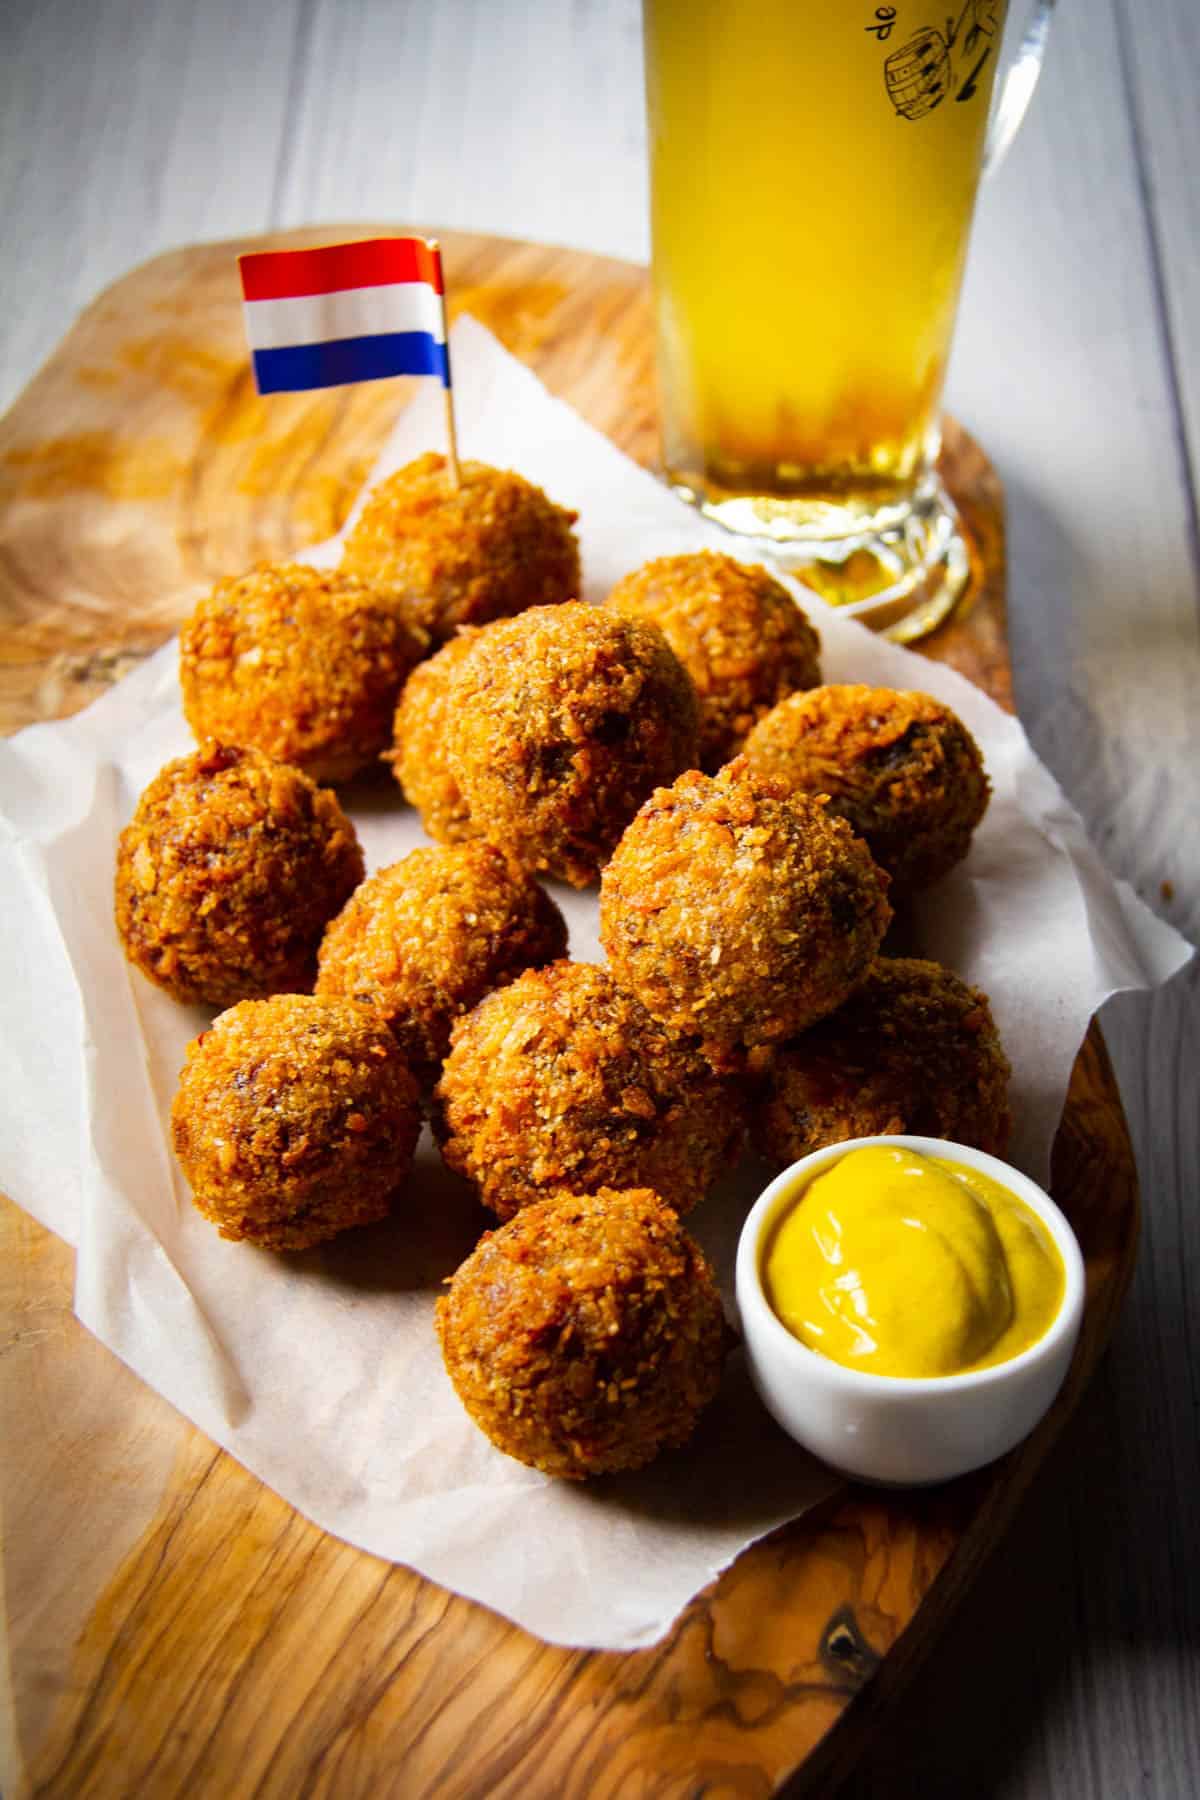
x: 345, y: 312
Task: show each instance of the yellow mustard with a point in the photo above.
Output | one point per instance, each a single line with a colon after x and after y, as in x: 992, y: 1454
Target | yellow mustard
x: 903, y: 1264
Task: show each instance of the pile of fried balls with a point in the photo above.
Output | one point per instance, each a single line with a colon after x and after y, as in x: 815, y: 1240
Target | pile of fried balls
x: 751, y: 831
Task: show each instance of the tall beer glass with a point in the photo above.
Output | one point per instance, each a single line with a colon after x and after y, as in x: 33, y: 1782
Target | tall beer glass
x: 814, y: 165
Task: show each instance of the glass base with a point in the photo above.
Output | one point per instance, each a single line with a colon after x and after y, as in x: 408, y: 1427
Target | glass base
x: 901, y: 569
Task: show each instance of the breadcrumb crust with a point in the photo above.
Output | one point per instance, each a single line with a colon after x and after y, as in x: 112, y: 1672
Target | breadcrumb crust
x: 423, y: 940
x: 558, y: 724
x: 460, y: 556
x: 228, y: 873
x: 586, y: 1335
x: 737, y: 631
x: 419, y: 757
x: 295, y: 1119
x: 740, y: 914
x: 304, y: 664
x: 562, y: 1081
x: 900, y: 768
x: 914, y: 1049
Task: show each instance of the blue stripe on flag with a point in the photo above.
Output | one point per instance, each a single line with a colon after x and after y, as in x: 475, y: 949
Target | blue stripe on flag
x: 339, y: 361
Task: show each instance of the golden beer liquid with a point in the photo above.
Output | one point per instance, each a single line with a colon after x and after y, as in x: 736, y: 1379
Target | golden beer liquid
x: 809, y: 236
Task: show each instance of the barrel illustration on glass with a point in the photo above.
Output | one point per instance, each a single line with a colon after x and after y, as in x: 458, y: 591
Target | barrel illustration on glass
x: 918, y: 74
x: 921, y: 73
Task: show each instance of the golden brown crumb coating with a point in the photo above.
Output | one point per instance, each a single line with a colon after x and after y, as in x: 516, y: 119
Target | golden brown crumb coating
x: 461, y: 556
x: 739, y: 914
x: 736, y: 630
x: 558, y: 725
x: 419, y: 758
x: 586, y: 1335
x: 914, y: 1049
x: 229, y: 872
x: 425, y: 939
x: 295, y: 1119
x: 900, y: 768
x: 305, y: 664
x: 560, y: 1080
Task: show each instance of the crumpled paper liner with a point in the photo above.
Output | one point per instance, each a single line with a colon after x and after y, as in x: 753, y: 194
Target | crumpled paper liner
x: 320, y: 1371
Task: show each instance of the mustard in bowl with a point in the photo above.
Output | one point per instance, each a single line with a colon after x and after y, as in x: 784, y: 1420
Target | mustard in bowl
x: 909, y: 1306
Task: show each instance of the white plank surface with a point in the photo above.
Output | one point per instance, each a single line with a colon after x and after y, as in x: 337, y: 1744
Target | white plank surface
x: 127, y: 127
x: 1158, y: 53
x: 1061, y: 367
x: 526, y: 120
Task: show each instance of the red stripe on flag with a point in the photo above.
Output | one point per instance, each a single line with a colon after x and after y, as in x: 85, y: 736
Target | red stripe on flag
x: 375, y: 262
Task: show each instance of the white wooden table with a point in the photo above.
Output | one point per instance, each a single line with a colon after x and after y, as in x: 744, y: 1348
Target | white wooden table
x: 128, y: 126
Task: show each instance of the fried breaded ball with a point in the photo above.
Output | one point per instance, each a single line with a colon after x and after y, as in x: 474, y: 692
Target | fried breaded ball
x: 305, y: 664
x: 295, y: 1119
x: 560, y: 1080
x: 736, y: 630
x: 229, y: 872
x: 914, y: 1049
x: 740, y: 914
x: 425, y: 939
x: 461, y: 556
x: 558, y: 725
x: 586, y: 1335
x: 900, y: 768
x: 419, y: 758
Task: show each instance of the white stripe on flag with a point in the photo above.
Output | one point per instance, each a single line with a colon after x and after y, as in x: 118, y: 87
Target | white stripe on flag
x: 354, y: 312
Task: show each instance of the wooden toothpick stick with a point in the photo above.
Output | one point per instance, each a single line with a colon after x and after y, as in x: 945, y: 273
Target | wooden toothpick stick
x: 447, y: 387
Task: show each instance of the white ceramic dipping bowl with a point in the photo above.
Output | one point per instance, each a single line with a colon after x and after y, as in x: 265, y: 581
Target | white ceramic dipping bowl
x: 902, y: 1431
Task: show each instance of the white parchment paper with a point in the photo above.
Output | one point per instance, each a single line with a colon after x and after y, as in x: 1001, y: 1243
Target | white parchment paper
x: 320, y: 1371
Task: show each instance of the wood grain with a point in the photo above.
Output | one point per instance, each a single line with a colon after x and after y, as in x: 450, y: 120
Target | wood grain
x: 117, y: 516
x: 226, y: 1641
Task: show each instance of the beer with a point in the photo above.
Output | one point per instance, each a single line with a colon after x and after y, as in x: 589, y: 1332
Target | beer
x: 813, y: 172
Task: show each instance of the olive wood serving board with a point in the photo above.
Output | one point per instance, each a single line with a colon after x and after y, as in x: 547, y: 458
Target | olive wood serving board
x: 169, y: 1625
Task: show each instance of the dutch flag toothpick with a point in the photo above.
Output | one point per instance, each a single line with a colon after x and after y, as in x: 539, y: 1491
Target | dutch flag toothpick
x: 343, y: 313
